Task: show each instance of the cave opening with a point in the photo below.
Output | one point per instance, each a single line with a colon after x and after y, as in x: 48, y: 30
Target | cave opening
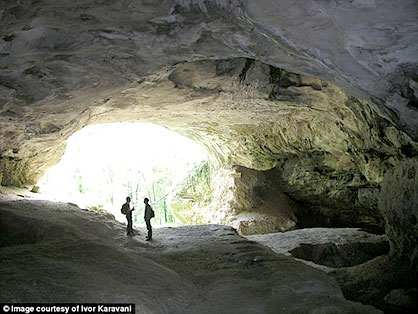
x: 105, y: 163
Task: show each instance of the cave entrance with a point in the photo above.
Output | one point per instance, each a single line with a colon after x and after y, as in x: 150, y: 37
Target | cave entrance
x: 105, y: 163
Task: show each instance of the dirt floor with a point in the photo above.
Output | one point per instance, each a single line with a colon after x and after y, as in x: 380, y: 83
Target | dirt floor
x: 57, y: 252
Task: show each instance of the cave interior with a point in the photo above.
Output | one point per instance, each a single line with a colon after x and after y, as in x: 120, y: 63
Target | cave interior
x: 309, y: 112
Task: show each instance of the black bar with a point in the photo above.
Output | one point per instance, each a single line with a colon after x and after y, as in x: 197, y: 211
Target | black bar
x: 67, y: 308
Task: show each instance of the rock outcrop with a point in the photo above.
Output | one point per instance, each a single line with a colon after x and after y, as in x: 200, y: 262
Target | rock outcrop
x: 326, y: 248
x: 389, y: 282
x: 398, y: 203
x: 251, y: 201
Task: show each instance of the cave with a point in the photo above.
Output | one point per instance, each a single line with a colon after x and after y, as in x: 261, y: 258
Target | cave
x: 308, y: 111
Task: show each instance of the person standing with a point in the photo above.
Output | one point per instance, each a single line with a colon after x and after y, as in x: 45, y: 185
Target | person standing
x: 127, y: 211
x: 148, y: 214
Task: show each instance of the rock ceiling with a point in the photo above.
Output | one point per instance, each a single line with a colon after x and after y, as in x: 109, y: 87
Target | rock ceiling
x: 67, y: 64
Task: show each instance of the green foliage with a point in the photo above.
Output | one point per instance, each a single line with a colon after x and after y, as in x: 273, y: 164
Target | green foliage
x: 183, y: 211
x: 194, y: 192
x: 79, y: 181
x: 197, y: 185
x: 97, y: 208
x: 157, y: 187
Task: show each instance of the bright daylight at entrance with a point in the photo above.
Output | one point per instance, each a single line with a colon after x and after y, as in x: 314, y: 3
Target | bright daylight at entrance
x: 103, y: 164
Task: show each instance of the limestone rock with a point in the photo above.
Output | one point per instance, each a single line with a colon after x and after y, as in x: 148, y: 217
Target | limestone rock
x: 372, y: 281
x: 398, y: 202
x: 35, y: 189
x: 323, y: 91
x: 251, y: 201
x: 241, y: 118
x: 402, y: 298
x: 368, y: 48
x: 331, y: 255
x: 331, y: 247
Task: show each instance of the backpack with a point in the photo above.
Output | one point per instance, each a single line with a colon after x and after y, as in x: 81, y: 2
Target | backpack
x: 149, y: 209
x: 124, y: 209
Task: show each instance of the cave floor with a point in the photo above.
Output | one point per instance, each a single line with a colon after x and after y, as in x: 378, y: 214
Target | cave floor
x: 326, y: 249
x: 57, y: 252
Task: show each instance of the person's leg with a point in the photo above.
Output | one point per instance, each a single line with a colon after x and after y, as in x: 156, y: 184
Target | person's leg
x: 131, y: 229
x: 149, y: 228
x: 127, y: 225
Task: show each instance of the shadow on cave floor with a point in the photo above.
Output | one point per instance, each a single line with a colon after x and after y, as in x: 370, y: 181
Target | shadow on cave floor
x: 309, y: 217
x: 345, y: 255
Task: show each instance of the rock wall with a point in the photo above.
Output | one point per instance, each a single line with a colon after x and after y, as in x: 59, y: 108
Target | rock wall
x: 398, y: 202
x: 389, y: 282
x: 256, y: 202
x: 332, y: 196
x: 251, y: 201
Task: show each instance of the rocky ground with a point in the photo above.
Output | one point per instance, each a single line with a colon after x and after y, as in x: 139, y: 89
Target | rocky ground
x: 326, y: 248
x: 57, y: 252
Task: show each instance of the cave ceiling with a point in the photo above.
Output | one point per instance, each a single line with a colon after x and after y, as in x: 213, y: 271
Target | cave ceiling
x: 253, y: 81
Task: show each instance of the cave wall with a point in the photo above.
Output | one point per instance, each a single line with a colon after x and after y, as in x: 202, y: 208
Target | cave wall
x: 389, y: 281
x: 398, y: 203
x: 256, y: 202
x: 332, y: 196
x: 251, y: 201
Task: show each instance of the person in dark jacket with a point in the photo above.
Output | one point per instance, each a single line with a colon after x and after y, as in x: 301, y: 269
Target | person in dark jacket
x: 126, y: 208
x: 148, y: 214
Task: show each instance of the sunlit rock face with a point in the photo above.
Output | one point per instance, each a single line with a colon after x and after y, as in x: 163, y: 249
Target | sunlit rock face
x: 251, y: 201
